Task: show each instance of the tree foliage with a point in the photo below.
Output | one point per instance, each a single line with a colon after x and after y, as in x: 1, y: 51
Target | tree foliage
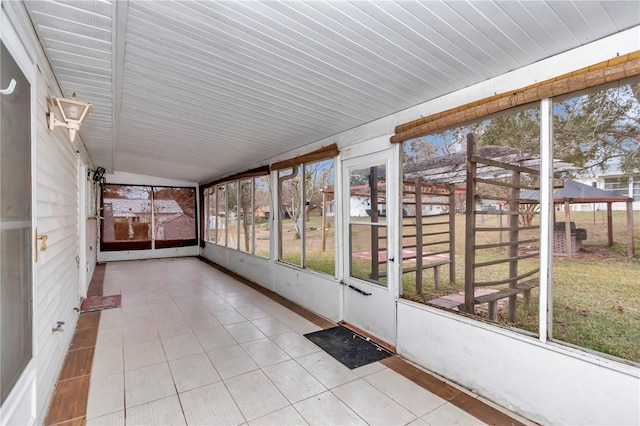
x: 594, y: 131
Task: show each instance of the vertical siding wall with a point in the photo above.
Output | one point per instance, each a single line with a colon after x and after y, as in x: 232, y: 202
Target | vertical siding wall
x: 57, y: 216
x: 57, y: 270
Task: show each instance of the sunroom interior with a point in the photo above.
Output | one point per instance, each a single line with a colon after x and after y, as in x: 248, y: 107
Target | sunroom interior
x: 248, y: 173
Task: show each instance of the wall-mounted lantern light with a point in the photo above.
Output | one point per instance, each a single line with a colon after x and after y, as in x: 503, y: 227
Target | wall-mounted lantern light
x: 73, y: 112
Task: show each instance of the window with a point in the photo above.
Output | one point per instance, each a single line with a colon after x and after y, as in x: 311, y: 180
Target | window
x: 134, y: 216
x: 245, y: 214
x: 306, y: 227
x: 617, y: 185
x: 16, y: 237
x: 238, y: 214
x: 262, y: 216
x: 174, y: 213
x: 595, y: 294
x: 480, y: 258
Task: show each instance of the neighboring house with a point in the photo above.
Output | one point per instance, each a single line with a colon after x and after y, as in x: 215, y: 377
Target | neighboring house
x: 616, y: 182
x: 134, y: 211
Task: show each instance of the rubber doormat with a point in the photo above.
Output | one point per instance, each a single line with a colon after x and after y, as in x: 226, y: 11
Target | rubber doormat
x: 98, y: 303
x: 348, y: 347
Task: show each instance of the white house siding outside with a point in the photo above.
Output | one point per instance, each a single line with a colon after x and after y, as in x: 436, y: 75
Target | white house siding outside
x: 620, y: 184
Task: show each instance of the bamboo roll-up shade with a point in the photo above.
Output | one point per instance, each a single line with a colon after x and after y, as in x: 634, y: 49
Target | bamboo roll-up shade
x: 260, y: 171
x: 605, y: 72
x: 323, y: 153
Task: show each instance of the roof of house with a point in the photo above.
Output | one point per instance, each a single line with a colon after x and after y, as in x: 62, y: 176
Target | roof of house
x: 577, y: 192
x: 123, y: 207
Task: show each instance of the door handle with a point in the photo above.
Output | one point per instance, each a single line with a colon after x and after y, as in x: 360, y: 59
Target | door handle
x: 364, y: 293
x: 43, y: 245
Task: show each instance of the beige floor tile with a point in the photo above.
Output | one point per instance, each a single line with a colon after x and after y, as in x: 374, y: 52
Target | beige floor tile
x: 109, y: 339
x: 368, y: 369
x: 294, y: 344
x: 156, y: 296
x: 244, y: 332
x: 107, y: 362
x: 406, y: 393
x: 143, y: 331
x: 148, y: 384
x: 193, y: 372
x: 252, y: 312
x: 326, y: 369
x: 181, y: 345
x: 271, y: 326
x: 255, y: 395
x: 111, y: 318
x: 113, y: 419
x: 293, y: 381
x: 372, y: 405
x: 327, y: 409
x: 203, y: 321
x: 173, y: 327
x: 165, y: 311
x: 166, y: 411
x: 287, y: 416
x: 419, y: 422
x: 210, y: 405
x: 216, y: 304
x: 106, y: 395
x: 264, y: 352
x: 192, y: 309
x: 231, y: 361
x: 449, y: 414
x: 230, y: 316
x: 143, y: 354
x: 214, y: 338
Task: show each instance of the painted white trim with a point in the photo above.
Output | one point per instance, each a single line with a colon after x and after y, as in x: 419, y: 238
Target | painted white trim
x: 115, y: 256
x: 21, y: 405
x: 545, y: 305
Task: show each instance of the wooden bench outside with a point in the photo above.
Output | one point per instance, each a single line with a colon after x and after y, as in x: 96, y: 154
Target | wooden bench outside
x: 492, y: 298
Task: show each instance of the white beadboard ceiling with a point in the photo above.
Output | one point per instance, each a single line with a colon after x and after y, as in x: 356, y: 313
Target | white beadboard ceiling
x: 193, y: 90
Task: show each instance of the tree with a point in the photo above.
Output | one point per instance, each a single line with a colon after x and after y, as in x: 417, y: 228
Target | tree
x: 593, y: 131
x: 317, y: 176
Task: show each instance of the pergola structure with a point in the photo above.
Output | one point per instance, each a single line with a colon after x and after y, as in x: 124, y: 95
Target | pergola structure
x: 578, y: 193
x: 504, y: 169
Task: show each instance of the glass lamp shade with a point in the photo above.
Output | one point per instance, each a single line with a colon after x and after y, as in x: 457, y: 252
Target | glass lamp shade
x: 73, y: 113
x: 73, y: 109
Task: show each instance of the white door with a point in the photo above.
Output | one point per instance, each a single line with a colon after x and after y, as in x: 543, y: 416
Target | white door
x: 369, y: 208
x: 17, y: 235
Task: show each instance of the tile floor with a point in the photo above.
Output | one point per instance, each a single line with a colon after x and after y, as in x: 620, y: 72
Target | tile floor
x: 194, y: 345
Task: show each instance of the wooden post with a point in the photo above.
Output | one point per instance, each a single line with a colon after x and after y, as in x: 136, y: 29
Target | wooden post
x: 452, y: 233
x: 609, y: 224
x: 567, y: 227
x: 514, y: 209
x: 418, y: 197
x: 324, y: 221
x: 375, y: 243
x: 470, y: 222
x: 630, y: 247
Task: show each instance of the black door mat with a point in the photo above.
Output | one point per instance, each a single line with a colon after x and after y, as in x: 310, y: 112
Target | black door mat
x: 348, y: 347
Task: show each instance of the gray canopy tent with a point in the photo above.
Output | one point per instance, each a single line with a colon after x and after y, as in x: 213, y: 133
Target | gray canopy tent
x: 578, y: 193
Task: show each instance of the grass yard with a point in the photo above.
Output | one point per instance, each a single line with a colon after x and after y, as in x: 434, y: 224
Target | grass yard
x: 596, y: 295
